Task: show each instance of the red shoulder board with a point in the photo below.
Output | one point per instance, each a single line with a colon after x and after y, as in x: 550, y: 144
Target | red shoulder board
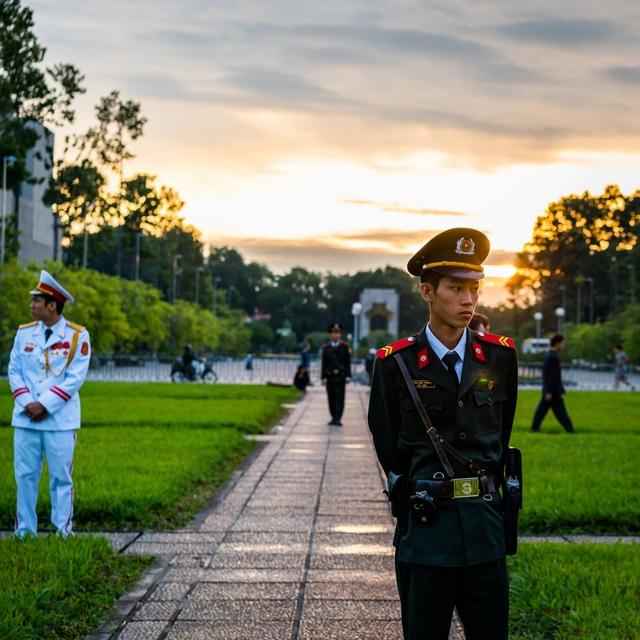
x: 492, y: 338
x: 395, y: 346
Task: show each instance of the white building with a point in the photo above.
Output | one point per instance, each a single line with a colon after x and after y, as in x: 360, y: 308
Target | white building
x: 35, y: 220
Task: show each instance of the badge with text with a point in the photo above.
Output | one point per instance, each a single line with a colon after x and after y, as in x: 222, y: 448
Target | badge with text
x: 423, y: 384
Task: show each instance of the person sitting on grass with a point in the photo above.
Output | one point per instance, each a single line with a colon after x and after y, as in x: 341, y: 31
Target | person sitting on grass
x: 301, y: 379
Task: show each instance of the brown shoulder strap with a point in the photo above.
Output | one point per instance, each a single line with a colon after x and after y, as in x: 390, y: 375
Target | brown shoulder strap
x: 439, y: 443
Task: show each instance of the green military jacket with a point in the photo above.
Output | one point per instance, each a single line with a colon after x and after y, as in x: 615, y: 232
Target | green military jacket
x: 477, y: 420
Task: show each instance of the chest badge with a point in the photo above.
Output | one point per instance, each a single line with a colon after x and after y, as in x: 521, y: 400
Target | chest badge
x: 478, y: 352
x: 423, y: 359
x: 423, y: 384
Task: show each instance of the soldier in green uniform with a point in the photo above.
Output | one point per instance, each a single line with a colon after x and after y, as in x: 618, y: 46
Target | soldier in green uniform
x: 450, y: 542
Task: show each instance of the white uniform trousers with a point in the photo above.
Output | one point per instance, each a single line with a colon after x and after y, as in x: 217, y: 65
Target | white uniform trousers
x: 29, y: 447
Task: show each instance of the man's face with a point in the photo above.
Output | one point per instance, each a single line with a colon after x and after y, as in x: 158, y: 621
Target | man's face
x: 335, y: 335
x: 453, y: 302
x: 42, y: 310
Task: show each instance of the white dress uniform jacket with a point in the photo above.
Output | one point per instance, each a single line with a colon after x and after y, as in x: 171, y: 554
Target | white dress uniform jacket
x: 50, y: 372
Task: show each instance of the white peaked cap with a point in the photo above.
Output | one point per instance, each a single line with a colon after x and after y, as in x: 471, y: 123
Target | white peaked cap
x: 48, y: 285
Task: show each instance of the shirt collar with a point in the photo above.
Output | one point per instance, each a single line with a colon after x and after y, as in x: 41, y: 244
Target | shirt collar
x: 335, y: 344
x: 57, y: 328
x: 441, y: 350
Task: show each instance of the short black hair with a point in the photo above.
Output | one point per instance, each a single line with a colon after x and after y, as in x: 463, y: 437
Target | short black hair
x: 47, y: 299
x: 557, y: 339
x: 619, y: 346
x: 432, y: 277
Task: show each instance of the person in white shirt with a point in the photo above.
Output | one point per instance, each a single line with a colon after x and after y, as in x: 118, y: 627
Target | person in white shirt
x: 47, y: 367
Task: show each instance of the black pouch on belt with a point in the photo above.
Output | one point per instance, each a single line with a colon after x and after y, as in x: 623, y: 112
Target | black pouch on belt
x: 512, y: 498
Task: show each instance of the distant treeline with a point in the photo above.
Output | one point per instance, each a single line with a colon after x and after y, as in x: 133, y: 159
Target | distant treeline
x: 122, y: 315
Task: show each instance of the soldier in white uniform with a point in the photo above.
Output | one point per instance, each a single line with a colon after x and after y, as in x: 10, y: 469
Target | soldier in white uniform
x: 48, y: 365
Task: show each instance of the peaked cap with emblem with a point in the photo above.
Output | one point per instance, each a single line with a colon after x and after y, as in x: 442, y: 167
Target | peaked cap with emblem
x: 334, y: 326
x: 457, y: 253
x: 49, y: 286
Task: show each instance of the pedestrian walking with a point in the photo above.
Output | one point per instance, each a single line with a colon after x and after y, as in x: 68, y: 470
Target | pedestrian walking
x: 621, y: 364
x: 336, y: 371
x: 552, y: 388
x: 47, y: 367
x: 441, y: 411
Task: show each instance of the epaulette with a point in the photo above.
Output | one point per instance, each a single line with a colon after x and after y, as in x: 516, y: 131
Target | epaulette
x: 493, y: 338
x: 28, y: 324
x: 395, y: 346
x: 345, y: 343
x: 76, y: 327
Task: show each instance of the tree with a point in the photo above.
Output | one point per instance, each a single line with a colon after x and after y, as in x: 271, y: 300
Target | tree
x: 77, y: 195
x: 119, y: 123
x: 581, y: 237
x: 249, y: 281
x: 29, y: 91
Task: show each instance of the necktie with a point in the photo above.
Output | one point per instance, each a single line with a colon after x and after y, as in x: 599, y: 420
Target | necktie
x: 450, y: 361
x: 47, y: 334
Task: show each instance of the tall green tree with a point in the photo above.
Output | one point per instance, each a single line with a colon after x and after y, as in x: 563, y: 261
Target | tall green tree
x: 29, y: 92
x: 577, y: 238
x: 119, y: 122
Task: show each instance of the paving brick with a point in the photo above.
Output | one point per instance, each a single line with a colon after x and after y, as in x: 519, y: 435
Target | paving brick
x: 245, y: 631
x: 170, y: 591
x: 162, y: 610
x: 354, y: 630
x: 141, y: 630
x: 239, y: 610
x: 245, y: 591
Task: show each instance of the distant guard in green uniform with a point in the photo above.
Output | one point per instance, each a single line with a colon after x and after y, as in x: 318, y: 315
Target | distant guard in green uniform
x: 444, y: 478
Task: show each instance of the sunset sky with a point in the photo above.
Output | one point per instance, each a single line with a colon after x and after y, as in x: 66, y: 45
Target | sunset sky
x: 341, y: 135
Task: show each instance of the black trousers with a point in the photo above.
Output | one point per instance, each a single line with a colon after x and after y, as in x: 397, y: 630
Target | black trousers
x: 556, y: 404
x: 480, y: 594
x: 335, y: 395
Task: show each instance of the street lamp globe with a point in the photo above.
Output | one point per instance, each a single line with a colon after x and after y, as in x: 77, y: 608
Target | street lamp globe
x: 537, y: 316
x: 560, y: 312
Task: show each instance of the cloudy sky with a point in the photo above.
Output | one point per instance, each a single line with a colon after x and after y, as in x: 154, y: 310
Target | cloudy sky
x: 341, y: 135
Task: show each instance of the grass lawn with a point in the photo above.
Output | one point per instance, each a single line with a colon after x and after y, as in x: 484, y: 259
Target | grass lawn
x: 50, y: 588
x: 585, y: 482
x: 150, y: 455
x: 584, y: 591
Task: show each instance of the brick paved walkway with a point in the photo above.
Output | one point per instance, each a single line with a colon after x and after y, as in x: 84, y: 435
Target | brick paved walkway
x: 297, y: 548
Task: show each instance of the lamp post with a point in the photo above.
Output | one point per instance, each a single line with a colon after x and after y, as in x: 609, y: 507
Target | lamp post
x: 199, y: 270
x: 174, y: 295
x: 632, y: 283
x: 6, y: 160
x: 537, y: 316
x: 560, y: 315
x: 137, y: 262
x: 579, y: 281
x: 613, y: 305
x: 590, y: 281
x: 229, y: 294
x: 356, y: 310
x: 216, y: 284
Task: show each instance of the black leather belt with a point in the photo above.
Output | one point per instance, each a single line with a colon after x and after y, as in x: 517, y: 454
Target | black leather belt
x: 458, y: 487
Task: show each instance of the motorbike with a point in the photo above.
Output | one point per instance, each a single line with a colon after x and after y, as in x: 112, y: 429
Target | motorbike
x: 198, y: 370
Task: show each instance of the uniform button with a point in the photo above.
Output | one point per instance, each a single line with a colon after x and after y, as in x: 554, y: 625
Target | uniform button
x: 462, y: 436
x: 460, y: 403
